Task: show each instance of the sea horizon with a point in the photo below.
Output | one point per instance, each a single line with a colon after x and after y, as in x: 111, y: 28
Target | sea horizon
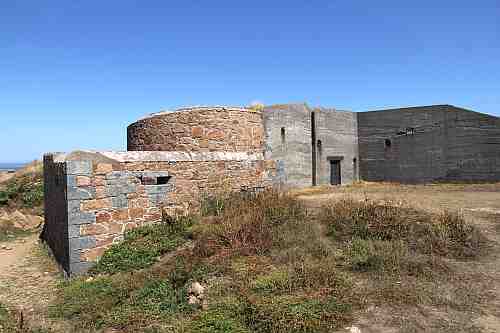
x: 12, y: 165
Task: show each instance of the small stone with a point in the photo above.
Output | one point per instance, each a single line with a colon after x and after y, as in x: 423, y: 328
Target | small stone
x: 196, y: 289
x: 193, y: 300
x: 353, y: 329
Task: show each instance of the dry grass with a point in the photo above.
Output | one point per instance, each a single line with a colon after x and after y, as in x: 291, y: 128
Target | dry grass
x: 269, y: 266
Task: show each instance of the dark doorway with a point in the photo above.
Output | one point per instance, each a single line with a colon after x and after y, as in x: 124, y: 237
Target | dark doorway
x: 335, y: 178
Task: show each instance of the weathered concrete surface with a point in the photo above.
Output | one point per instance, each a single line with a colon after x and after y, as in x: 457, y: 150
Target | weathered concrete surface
x: 439, y: 142
x: 293, y: 146
x: 336, y: 136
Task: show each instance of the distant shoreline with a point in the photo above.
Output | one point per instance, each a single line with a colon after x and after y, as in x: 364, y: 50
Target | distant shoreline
x: 5, y: 167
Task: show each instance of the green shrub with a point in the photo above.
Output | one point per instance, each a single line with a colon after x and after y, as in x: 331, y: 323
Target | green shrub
x: 445, y: 234
x: 4, y: 198
x: 383, y: 256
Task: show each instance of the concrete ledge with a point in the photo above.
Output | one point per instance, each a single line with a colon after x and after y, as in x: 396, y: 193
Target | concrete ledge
x: 162, y: 156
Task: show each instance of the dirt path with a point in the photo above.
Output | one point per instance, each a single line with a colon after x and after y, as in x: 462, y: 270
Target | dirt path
x: 28, y: 278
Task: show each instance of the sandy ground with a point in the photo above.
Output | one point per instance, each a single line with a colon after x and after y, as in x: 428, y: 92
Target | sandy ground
x: 28, y: 278
x: 4, y: 176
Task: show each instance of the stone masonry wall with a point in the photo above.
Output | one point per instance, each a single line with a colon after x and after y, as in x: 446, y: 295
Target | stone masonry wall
x: 198, y: 129
x: 105, y: 199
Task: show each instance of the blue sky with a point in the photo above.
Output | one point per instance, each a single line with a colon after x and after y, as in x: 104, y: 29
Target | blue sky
x: 74, y: 74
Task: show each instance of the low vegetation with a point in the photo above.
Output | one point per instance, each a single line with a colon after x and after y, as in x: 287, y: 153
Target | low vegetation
x: 268, y: 265
x: 12, y: 322
x: 25, y: 189
x: 8, y: 231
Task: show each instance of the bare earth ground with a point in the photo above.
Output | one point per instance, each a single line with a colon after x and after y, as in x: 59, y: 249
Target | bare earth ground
x: 28, y: 277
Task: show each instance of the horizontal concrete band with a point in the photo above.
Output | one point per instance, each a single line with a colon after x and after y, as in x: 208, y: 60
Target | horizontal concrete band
x: 160, y: 156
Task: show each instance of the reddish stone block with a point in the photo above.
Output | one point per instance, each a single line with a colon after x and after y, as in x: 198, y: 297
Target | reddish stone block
x: 98, y: 181
x: 106, y: 240
x: 215, y: 135
x: 135, y: 213
x: 103, y: 168
x: 197, y: 132
x: 102, y: 217
x: 92, y: 229
x: 95, y: 204
x: 120, y: 215
x: 82, y: 181
x: 92, y: 254
x: 138, y: 203
x: 115, y: 227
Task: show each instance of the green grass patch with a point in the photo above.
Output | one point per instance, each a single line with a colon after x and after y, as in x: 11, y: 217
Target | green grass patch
x: 121, y: 301
x: 297, y: 314
x: 142, y: 246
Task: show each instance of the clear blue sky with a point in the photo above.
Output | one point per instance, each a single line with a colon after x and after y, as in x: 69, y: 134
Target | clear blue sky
x: 74, y: 74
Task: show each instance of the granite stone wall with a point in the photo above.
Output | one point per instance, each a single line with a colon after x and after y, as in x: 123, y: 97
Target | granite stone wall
x: 110, y: 193
x: 200, y: 129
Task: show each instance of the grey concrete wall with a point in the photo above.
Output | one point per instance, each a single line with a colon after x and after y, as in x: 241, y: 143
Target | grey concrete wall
x: 473, y: 146
x: 447, y: 143
x: 338, y: 134
x: 294, y: 153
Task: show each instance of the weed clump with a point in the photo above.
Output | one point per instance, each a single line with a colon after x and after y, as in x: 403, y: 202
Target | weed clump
x: 445, y: 234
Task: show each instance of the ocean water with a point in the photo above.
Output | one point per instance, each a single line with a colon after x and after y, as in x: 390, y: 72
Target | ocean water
x: 11, y: 166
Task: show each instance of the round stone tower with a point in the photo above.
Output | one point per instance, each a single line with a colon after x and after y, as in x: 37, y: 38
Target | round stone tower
x: 224, y: 129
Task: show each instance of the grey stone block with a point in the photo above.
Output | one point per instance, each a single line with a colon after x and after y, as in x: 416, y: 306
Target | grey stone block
x: 79, y: 168
x: 73, y: 230
x: 119, y: 201
x: 80, y: 268
x: 81, y: 218
x: 117, y: 175
x: 161, y: 189
x: 156, y: 198
x: 130, y: 188
x: 115, y: 190
x: 71, y: 181
x: 85, y: 242
x: 73, y: 206
x: 75, y: 256
x: 75, y: 193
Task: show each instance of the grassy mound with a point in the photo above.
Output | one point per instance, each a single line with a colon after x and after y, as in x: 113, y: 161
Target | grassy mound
x: 25, y: 189
x: 269, y: 266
